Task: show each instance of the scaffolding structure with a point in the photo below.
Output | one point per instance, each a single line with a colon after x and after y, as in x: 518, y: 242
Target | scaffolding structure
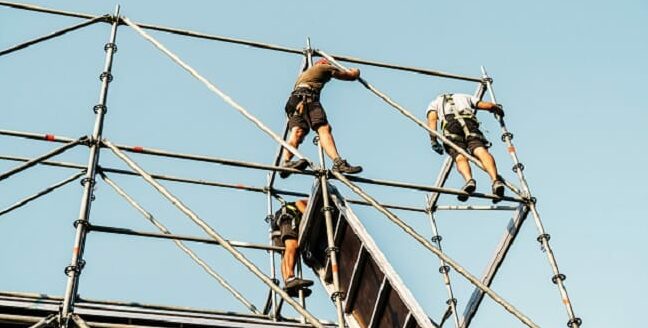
x: 74, y: 310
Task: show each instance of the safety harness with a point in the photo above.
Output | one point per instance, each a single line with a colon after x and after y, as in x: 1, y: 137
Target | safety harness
x: 287, y: 212
x: 460, y: 115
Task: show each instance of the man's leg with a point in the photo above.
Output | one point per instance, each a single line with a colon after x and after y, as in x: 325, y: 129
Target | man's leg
x: 487, y: 160
x: 328, y: 144
x: 463, y: 167
x: 489, y: 164
x: 288, y: 260
x: 296, y: 138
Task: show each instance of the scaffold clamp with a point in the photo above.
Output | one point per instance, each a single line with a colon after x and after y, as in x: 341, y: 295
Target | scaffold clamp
x: 444, y: 269
x: 336, y: 295
x: 518, y: 166
x: 100, y: 107
x: 576, y: 321
x: 557, y: 277
x: 507, y: 136
x: 436, y: 239
x: 107, y: 76
x: 110, y: 46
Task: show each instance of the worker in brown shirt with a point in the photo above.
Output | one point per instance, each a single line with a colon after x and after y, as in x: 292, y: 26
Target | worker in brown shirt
x: 305, y: 112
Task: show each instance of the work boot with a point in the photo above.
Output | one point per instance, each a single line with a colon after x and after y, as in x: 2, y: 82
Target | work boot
x: 342, y: 166
x: 498, y: 189
x: 468, y: 188
x: 299, y: 164
x: 294, y: 292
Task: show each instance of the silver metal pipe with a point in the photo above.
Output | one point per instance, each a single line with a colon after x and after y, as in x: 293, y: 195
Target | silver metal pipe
x: 474, y: 208
x: 558, y: 278
x: 215, y: 184
x: 41, y: 193
x: 130, y: 232
x: 253, y: 44
x: 427, y: 244
x: 76, y: 263
x: 212, y: 233
x: 46, y: 10
x: 51, y: 35
x: 444, y: 269
x: 430, y: 188
x: 37, y: 136
x: 149, y: 217
x: 79, y: 322
x: 45, y: 322
x: 330, y: 238
x: 39, y: 159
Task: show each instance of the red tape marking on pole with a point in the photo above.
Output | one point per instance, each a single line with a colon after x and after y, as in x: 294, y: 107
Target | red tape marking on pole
x: 138, y: 149
x: 511, y: 149
x: 50, y: 137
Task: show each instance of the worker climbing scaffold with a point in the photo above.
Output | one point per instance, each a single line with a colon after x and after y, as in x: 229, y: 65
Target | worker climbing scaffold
x: 460, y: 125
x: 305, y: 112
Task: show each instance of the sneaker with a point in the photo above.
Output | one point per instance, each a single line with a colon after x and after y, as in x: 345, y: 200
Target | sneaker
x: 294, y: 292
x: 298, y: 283
x: 299, y: 164
x: 498, y: 187
x: 342, y: 166
x: 468, y: 188
x: 498, y: 190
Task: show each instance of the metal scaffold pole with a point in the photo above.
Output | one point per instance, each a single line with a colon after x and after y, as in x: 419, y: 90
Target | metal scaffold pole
x: 444, y: 269
x: 331, y: 250
x: 76, y: 264
x: 543, y: 238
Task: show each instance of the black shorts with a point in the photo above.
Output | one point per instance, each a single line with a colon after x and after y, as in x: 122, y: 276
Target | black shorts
x: 312, y: 116
x: 286, y: 231
x: 468, y: 143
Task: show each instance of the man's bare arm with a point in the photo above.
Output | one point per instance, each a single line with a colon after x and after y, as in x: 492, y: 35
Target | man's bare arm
x: 347, y: 75
x: 491, y: 107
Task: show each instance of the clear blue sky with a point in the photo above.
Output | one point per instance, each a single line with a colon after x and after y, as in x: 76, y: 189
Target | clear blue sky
x: 571, y: 76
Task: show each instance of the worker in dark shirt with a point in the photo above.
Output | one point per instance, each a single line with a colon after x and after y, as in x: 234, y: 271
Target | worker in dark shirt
x: 286, y: 223
x: 305, y: 112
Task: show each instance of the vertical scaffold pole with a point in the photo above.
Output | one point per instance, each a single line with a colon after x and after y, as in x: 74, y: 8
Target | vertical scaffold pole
x: 543, y: 238
x: 76, y: 264
x: 331, y: 249
x: 444, y: 269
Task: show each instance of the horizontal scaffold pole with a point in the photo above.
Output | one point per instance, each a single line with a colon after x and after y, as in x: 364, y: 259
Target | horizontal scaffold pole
x: 427, y: 244
x: 130, y: 232
x: 165, y: 231
x: 253, y: 44
x: 205, y: 182
x: 41, y: 193
x: 52, y: 35
x: 212, y: 233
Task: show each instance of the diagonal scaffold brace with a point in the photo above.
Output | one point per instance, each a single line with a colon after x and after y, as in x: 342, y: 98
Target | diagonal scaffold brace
x: 41, y: 193
x: 149, y: 217
x: 543, y: 237
x: 42, y: 158
x: 213, y: 234
x: 53, y: 35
